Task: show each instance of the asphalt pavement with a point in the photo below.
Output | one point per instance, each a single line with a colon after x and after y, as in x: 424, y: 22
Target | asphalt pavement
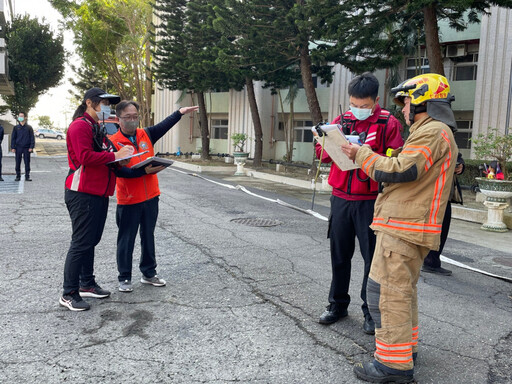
x: 247, y: 279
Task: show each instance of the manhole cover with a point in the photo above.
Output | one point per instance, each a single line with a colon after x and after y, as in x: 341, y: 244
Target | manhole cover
x: 255, y: 222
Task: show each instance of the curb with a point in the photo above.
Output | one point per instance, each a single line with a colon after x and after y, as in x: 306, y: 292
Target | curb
x: 461, y: 213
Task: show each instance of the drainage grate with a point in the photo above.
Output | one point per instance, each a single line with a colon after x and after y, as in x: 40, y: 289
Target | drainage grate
x: 11, y: 186
x: 255, y: 222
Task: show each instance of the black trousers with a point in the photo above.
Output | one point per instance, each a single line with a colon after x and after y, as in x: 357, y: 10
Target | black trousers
x: 348, y: 220
x: 88, y: 214
x: 433, y: 258
x: 26, y: 158
x: 129, y: 219
x: 1, y: 159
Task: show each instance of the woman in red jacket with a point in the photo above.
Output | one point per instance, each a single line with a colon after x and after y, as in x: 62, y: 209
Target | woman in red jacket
x: 90, y: 181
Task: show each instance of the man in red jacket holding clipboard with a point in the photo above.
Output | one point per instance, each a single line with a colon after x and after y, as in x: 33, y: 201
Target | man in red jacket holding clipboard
x: 354, y: 194
x: 137, y: 193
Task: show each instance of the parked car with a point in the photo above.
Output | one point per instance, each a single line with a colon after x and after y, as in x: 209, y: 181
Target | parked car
x: 44, y: 133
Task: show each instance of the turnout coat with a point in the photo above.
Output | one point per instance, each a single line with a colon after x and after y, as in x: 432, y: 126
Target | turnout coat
x: 416, y: 183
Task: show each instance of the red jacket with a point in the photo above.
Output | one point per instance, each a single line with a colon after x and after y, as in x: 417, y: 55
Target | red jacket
x: 383, y: 131
x: 89, y: 172
x: 136, y: 190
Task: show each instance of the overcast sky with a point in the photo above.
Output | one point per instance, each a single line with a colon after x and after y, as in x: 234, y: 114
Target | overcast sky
x: 55, y: 102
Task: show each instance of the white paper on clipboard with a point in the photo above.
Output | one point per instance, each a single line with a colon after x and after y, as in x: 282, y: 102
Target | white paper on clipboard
x: 334, y: 139
x: 128, y: 157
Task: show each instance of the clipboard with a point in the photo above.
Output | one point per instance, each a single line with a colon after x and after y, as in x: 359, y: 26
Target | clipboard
x: 127, y: 157
x: 334, y: 139
x: 154, y: 162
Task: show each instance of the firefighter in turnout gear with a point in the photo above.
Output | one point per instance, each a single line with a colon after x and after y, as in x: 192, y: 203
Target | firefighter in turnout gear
x: 407, y: 219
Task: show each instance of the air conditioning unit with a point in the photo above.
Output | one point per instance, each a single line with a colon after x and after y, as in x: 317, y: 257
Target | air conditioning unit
x: 456, y: 50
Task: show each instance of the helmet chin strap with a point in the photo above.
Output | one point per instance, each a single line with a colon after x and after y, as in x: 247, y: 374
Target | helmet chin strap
x: 414, y: 109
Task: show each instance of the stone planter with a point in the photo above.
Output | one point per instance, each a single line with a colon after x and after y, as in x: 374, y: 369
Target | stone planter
x: 240, y: 158
x: 497, y: 192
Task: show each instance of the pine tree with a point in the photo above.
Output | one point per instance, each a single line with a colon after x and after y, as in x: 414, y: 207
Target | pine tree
x: 256, y: 49
x: 186, y: 54
x: 397, y: 19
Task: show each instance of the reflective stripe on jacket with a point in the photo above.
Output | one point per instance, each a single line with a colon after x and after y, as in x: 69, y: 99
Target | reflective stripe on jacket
x: 138, y: 189
x: 417, y: 183
x: 382, y: 131
x: 89, y: 172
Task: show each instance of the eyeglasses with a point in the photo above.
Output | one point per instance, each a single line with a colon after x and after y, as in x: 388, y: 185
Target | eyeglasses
x: 129, y: 117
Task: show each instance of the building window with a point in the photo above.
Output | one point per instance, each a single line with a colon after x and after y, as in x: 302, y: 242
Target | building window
x: 220, y: 129
x: 464, y: 133
x: 465, y: 67
x: 416, y: 66
x: 303, y: 132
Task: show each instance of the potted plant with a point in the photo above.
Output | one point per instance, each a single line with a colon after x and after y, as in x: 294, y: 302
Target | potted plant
x: 240, y: 156
x: 499, y: 147
x: 238, y: 140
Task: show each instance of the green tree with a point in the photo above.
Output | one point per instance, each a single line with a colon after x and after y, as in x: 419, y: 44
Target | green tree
x: 45, y: 122
x: 36, y: 61
x: 187, y: 49
x: 86, y: 78
x: 255, y: 47
x: 113, y: 42
x: 376, y: 17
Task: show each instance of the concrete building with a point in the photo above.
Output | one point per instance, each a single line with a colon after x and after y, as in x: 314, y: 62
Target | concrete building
x: 477, y: 64
x: 6, y: 85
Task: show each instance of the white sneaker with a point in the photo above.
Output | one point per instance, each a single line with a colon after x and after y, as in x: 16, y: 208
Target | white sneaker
x: 155, y: 281
x: 125, y: 286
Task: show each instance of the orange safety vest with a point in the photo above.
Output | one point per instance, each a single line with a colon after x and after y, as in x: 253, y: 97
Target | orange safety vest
x: 138, y: 189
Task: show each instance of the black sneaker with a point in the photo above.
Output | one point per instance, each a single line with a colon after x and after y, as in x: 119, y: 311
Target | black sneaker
x: 95, y: 291
x: 17, y: 178
x: 74, y: 302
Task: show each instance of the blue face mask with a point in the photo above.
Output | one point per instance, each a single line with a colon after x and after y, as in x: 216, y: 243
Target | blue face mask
x: 361, y: 113
x: 21, y: 118
x: 104, y: 112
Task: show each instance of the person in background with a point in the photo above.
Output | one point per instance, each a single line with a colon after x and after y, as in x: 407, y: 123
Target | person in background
x: 138, y: 193
x: 1, y: 139
x: 408, y: 219
x: 353, y: 195
x: 22, y: 144
x: 432, y: 263
x: 90, y: 182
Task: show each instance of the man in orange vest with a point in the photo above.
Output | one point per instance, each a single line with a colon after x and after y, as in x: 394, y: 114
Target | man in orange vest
x: 137, y: 193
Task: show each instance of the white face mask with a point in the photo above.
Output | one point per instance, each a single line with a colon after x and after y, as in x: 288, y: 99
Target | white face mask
x: 361, y: 113
x: 104, y: 112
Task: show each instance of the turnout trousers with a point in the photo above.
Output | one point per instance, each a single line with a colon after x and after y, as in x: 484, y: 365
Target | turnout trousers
x: 348, y: 220
x: 129, y: 219
x: 393, y: 302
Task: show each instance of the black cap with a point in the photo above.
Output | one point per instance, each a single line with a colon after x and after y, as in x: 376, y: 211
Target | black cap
x: 100, y: 93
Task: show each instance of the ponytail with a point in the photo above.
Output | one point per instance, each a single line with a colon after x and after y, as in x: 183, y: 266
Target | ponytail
x: 80, y: 111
